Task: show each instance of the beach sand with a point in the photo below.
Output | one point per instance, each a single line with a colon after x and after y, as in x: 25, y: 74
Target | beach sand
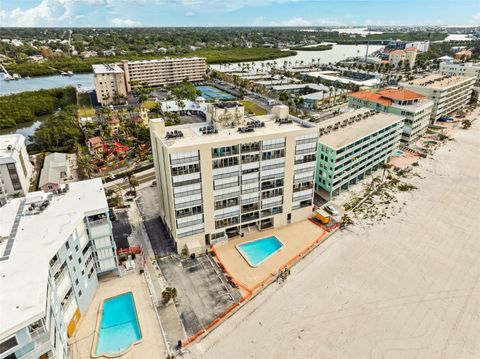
x: 405, y: 288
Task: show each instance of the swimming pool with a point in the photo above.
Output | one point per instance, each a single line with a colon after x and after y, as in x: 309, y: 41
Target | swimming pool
x: 398, y: 153
x: 210, y: 93
x: 259, y: 250
x: 119, y: 329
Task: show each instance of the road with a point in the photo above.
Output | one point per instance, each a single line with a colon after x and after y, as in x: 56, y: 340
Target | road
x: 144, y: 178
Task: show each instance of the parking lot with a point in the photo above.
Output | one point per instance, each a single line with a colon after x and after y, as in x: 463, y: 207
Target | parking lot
x: 203, y: 293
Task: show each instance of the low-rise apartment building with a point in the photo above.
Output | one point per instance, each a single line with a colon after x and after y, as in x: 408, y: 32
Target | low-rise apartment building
x: 448, y: 93
x: 468, y: 69
x: 53, y: 247
x: 416, y: 109
x: 353, y: 144
x: 15, y: 167
x: 110, y: 86
x: 164, y: 71
x: 221, y: 178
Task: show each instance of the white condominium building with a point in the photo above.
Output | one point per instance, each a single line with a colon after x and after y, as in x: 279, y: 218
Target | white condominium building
x: 15, y: 167
x: 353, y: 144
x: 448, y: 93
x: 52, y: 248
x: 164, y: 72
x: 416, y: 109
x: 110, y: 85
x: 468, y: 69
x: 220, y: 178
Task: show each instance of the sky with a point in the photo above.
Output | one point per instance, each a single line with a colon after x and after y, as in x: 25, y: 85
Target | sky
x: 159, y: 13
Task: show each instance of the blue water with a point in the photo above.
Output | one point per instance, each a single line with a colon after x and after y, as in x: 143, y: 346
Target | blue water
x: 210, y: 93
x: 255, y: 252
x: 119, y: 326
x: 399, y: 153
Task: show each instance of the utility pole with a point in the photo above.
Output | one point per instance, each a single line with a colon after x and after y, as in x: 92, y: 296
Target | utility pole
x: 368, y: 43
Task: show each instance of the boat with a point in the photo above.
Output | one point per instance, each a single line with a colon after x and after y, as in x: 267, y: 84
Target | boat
x: 68, y: 73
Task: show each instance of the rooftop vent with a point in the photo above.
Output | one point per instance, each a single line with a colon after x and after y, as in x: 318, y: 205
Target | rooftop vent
x: 208, y: 130
x: 174, y: 134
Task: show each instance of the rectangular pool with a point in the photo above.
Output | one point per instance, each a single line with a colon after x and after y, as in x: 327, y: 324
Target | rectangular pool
x: 259, y: 250
x: 210, y: 93
x: 119, y: 329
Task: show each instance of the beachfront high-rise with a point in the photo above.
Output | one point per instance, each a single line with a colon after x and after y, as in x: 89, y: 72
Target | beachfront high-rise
x: 448, y: 93
x: 468, y: 69
x: 353, y: 144
x: 231, y: 175
x: 416, y: 109
x: 52, y: 248
x: 15, y: 167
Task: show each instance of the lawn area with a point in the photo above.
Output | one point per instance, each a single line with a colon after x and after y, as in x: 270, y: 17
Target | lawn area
x: 251, y: 107
x: 149, y: 104
x: 85, y: 108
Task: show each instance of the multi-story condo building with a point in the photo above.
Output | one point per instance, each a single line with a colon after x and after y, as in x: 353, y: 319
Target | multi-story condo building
x: 416, y: 109
x: 468, y: 69
x: 15, y: 167
x: 110, y: 86
x: 53, y: 246
x: 351, y: 145
x: 407, y: 56
x: 448, y: 93
x: 220, y: 178
x: 164, y: 72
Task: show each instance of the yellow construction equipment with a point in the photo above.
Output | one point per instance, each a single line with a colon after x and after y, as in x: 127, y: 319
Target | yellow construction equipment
x: 322, y: 216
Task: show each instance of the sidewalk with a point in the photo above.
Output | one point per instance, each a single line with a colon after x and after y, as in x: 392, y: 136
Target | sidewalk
x: 171, y: 326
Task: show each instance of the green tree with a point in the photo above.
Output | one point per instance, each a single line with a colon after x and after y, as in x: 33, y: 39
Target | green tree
x: 85, y: 165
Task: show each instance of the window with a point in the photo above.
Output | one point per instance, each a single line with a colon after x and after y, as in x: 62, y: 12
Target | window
x: 76, y: 248
x: 67, y: 245
x: 70, y: 257
x: 76, y: 281
x: 79, y: 260
x: 8, y: 344
x: 79, y: 293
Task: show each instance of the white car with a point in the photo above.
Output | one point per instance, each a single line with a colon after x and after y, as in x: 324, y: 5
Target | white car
x: 330, y: 209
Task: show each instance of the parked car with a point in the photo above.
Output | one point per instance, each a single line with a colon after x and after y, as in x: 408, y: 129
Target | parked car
x: 330, y: 209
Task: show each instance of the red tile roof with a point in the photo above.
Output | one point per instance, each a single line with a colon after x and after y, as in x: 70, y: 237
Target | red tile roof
x: 400, y: 94
x: 371, y: 96
x: 385, y: 97
x: 397, y: 52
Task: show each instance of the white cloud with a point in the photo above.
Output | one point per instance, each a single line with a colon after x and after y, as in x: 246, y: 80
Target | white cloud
x: 117, y: 22
x: 296, y: 21
x: 476, y: 16
x: 189, y: 13
x: 48, y: 12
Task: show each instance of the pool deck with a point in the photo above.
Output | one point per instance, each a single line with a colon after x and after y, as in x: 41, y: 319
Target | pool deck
x: 297, y: 238
x: 150, y: 347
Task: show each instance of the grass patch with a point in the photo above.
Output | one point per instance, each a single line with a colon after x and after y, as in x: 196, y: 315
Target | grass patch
x: 253, y: 108
x: 85, y: 108
x: 149, y: 104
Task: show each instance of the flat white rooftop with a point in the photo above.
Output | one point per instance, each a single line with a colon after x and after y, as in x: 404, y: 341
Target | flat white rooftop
x: 99, y: 69
x: 437, y: 81
x: 193, y: 136
x: 9, y: 147
x: 346, y: 135
x: 30, y: 241
x: 332, y: 76
x: 169, y: 59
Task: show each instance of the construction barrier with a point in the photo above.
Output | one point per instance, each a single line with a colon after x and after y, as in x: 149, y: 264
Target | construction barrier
x: 252, y: 291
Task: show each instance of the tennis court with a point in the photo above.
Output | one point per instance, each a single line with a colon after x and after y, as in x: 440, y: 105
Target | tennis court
x: 210, y: 93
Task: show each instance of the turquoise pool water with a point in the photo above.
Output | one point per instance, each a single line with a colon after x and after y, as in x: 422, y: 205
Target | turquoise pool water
x: 399, y: 153
x: 210, y: 93
x: 257, y: 251
x: 119, y: 325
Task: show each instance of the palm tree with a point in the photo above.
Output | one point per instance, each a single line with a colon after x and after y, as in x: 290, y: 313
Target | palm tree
x: 132, y: 182
x: 386, y: 168
x: 85, y: 165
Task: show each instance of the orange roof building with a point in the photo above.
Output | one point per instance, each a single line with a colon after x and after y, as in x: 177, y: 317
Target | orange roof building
x: 416, y: 108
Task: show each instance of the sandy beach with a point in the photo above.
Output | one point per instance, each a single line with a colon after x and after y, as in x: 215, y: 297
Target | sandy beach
x: 405, y: 288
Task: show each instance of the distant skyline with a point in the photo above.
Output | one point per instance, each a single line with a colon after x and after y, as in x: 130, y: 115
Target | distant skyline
x: 132, y: 13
